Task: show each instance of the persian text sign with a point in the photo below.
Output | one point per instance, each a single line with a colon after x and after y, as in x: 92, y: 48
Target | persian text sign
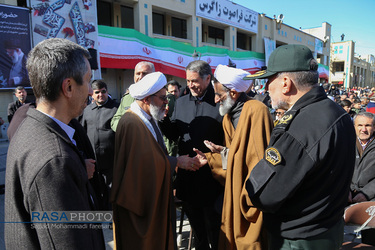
x: 229, y: 13
x: 14, y: 46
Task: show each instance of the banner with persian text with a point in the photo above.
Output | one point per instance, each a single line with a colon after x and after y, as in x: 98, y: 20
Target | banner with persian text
x: 224, y: 11
x: 124, y: 48
x: 14, y: 46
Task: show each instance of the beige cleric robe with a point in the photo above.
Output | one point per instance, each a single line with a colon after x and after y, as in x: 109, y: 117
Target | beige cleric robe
x: 241, y: 223
x: 141, y: 188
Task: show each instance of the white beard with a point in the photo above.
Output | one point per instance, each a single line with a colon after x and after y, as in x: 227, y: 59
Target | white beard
x: 156, y: 112
x: 226, y: 106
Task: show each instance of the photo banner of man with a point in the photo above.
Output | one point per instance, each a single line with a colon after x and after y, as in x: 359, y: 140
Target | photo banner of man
x: 15, y: 44
x: 70, y: 19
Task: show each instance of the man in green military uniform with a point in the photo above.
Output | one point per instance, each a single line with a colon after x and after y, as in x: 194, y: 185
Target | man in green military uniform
x: 141, y: 69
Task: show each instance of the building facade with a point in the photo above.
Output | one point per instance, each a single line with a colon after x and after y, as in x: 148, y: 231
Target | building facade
x: 350, y: 69
x: 170, y: 32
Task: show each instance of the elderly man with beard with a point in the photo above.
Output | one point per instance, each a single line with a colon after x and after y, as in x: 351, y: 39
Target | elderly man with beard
x: 18, y: 73
x: 141, y: 193
x: 247, y: 127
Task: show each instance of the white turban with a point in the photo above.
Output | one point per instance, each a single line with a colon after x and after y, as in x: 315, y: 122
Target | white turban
x: 148, y: 85
x: 232, y: 78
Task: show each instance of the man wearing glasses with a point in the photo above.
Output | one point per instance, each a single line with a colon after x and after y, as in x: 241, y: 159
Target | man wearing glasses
x: 141, y: 195
x: 96, y: 120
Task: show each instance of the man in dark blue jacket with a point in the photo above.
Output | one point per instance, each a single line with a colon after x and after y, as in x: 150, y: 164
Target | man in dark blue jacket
x: 303, y: 180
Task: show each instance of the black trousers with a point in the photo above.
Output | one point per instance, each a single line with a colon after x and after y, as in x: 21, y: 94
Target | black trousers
x: 205, y: 222
x: 368, y: 236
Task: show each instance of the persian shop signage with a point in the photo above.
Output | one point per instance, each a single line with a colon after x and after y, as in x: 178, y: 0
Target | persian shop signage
x: 229, y: 13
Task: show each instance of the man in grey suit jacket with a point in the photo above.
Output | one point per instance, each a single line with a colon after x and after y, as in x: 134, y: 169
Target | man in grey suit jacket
x: 45, y: 169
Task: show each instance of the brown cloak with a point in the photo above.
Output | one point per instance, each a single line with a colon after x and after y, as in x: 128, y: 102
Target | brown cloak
x: 141, y: 188
x: 241, y: 223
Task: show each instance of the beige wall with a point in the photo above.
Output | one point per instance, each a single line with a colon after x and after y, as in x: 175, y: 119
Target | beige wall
x: 9, y: 2
x: 287, y: 35
x: 119, y: 80
x: 186, y: 10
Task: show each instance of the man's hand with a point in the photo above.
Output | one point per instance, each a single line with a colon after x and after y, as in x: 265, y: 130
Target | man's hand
x: 200, y: 157
x: 90, y: 167
x: 213, y: 147
x: 188, y: 163
x: 360, y: 197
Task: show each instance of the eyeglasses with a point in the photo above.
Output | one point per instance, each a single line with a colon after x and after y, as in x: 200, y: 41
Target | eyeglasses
x: 279, y: 113
x: 103, y: 91
x: 163, y: 98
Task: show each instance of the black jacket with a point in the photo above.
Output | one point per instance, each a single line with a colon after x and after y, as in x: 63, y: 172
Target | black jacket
x: 364, y: 172
x: 12, y: 108
x: 302, y: 183
x: 97, y: 122
x: 194, y: 121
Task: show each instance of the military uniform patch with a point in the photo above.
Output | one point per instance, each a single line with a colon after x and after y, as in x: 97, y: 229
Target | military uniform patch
x: 259, y: 73
x: 285, y: 119
x: 273, y: 156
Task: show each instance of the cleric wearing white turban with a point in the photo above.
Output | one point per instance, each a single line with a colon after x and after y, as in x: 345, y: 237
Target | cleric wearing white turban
x: 148, y: 85
x: 232, y: 78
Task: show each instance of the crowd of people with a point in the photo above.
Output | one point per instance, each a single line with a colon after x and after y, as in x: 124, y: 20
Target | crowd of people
x: 267, y: 170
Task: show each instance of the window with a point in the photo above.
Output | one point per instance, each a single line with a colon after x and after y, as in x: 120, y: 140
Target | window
x: 21, y: 3
x: 104, y: 12
x: 179, y: 28
x: 158, y: 23
x: 243, y: 41
x: 127, y: 17
x: 215, y: 35
x: 338, y: 66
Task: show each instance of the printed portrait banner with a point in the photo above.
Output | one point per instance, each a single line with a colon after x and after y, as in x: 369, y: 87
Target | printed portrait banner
x: 224, y: 11
x: 124, y: 48
x: 75, y: 20
x: 318, y: 46
x: 269, y: 47
x: 15, y: 44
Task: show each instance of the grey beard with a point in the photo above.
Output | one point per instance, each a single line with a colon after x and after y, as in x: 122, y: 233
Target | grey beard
x: 156, y: 112
x: 279, y: 105
x: 226, y: 106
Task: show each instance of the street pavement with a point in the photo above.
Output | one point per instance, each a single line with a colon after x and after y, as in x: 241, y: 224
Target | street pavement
x: 108, y: 234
